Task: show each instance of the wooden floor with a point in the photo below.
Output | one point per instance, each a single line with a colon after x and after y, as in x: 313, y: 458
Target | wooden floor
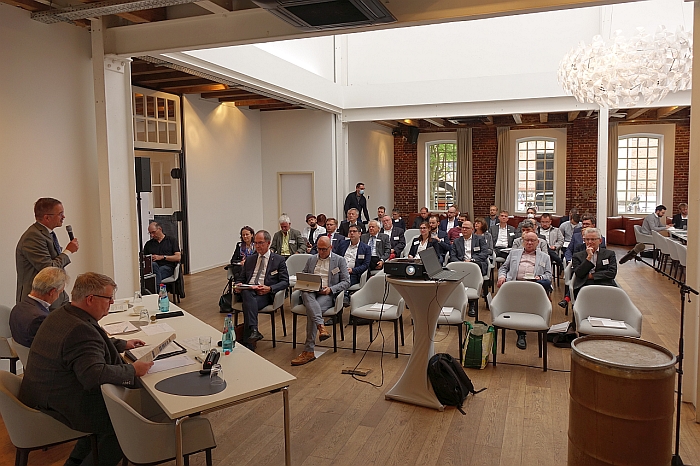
x: 522, y: 419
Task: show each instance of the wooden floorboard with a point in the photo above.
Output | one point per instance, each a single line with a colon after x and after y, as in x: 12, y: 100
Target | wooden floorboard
x: 520, y: 420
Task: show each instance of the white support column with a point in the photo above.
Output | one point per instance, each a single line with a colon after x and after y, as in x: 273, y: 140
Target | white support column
x: 340, y: 131
x: 602, y: 191
x: 115, y: 165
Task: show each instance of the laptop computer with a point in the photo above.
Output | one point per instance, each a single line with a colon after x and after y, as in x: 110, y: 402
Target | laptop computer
x: 434, y: 269
x: 308, y: 282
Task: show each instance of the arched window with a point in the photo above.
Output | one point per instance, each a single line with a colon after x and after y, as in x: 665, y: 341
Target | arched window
x: 442, y: 174
x: 638, y: 173
x: 536, y: 174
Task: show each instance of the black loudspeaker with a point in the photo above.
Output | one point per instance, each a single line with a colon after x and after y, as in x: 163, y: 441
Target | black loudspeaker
x: 143, y: 174
x: 412, y: 135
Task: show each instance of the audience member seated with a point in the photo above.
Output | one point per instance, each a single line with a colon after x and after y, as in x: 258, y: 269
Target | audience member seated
x: 577, y: 243
x: 423, y: 241
x: 441, y: 236
x: 335, y: 279
x: 451, y: 221
x: 244, y: 248
x: 470, y: 248
x: 381, y: 211
x: 321, y: 220
x: 567, y: 227
x: 356, y: 253
x: 456, y: 232
x: 70, y: 358
x: 530, y: 214
x: 287, y: 240
x: 503, y: 235
x: 396, y: 237
x: 481, y: 228
x: 164, y: 251
x: 680, y: 220
x: 267, y: 274
x: 595, y: 265
x: 553, y: 237
x: 652, y: 222
x: 529, y: 225
x: 331, y: 233
x: 28, y: 314
x: 492, y: 220
x: 423, y: 216
x: 527, y: 264
x: 357, y: 200
x: 379, y: 243
x: 352, y: 220
x: 312, y: 231
x: 397, y: 220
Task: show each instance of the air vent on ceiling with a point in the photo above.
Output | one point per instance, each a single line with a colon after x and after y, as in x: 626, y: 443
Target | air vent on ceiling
x: 313, y: 15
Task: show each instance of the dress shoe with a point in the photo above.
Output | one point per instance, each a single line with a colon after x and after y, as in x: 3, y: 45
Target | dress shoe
x: 323, y: 333
x: 521, y: 343
x: 328, y: 322
x: 472, y: 311
x: 303, y: 358
x: 564, y: 304
x: 254, y: 336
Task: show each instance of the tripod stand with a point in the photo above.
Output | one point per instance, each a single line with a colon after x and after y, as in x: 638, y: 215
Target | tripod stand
x: 685, y: 291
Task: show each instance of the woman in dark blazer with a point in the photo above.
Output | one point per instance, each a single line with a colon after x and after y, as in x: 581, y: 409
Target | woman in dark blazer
x: 244, y: 248
x: 424, y: 241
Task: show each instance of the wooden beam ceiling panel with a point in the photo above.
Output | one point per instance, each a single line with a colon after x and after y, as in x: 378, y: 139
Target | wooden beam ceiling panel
x: 189, y: 83
x: 518, y: 118
x: 634, y: 113
x: 230, y: 92
x: 145, y: 16
x: 439, y: 122
x: 29, y: 5
x: 173, y: 77
x: 414, y: 123
x: 196, y: 89
x: 667, y: 111
x: 278, y: 105
x: 248, y: 96
x: 246, y: 103
x: 571, y: 116
x: 295, y: 107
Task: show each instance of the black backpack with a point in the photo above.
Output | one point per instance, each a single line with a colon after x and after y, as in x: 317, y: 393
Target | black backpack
x: 450, y: 383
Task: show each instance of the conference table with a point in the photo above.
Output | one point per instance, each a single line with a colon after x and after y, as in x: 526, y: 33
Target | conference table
x: 247, y: 375
x: 681, y: 235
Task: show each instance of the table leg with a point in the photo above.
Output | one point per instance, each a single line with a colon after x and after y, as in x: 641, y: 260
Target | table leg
x: 287, y: 439
x: 179, y: 460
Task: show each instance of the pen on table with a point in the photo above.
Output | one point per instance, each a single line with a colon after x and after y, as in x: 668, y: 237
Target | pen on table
x: 199, y: 359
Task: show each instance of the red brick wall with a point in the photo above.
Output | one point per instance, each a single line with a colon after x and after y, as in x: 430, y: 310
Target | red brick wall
x: 405, y: 175
x: 581, y: 165
x: 485, y: 151
x: 680, y: 176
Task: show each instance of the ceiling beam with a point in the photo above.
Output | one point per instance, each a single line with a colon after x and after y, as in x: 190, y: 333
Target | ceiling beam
x: 276, y: 106
x: 439, y: 122
x: 388, y: 123
x: 165, y: 78
x: 143, y: 69
x: 145, y: 16
x: 195, y: 89
x: 278, y: 109
x: 248, y: 96
x: 408, y: 122
x: 667, y: 111
x: 100, y: 8
x: 247, y: 103
x: 212, y: 7
x: 543, y: 117
x: 194, y: 81
x: 518, y: 118
x: 30, y: 5
x: 230, y: 92
x: 571, y: 116
x: 634, y: 113
x: 489, y: 121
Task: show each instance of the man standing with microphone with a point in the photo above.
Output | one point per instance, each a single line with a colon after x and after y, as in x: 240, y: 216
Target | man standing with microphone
x: 39, y: 248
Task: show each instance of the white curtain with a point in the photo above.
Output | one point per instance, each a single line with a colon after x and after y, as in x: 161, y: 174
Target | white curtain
x: 612, y: 169
x: 465, y: 192
x: 504, y: 192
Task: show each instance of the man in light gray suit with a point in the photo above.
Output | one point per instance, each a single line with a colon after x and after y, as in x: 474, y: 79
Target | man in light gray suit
x: 528, y: 263
x: 38, y: 248
x: 335, y: 279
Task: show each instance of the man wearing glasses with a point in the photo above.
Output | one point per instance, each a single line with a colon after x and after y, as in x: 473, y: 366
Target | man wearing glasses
x: 38, y: 248
x: 164, y: 250
x: 70, y: 358
x: 595, y: 265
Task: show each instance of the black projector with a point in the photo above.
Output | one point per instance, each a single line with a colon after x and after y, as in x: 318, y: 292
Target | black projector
x: 404, y: 268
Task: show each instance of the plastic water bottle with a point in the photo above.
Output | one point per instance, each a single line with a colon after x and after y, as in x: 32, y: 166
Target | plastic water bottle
x: 163, y: 301
x: 228, y: 338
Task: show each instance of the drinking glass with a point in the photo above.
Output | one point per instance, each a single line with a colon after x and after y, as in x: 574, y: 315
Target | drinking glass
x: 144, y: 318
x: 138, y: 299
x: 216, y: 376
x: 204, y: 345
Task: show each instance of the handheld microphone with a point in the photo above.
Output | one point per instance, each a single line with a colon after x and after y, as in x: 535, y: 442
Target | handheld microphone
x: 69, y: 229
x: 639, y: 247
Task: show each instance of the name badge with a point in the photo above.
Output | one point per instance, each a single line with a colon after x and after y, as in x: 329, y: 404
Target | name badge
x: 396, y: 238
x: 511, y: 233
x: 606, y: 261
x: 477, y: 249
x: 360, y: 256
x: 292, y: 241
x: 415, y: 243
x: 335, y: 270
x: 274, y: 272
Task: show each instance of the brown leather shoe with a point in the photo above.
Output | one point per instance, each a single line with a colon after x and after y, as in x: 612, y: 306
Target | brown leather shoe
x: 323, y: 333
x: 303, y: 358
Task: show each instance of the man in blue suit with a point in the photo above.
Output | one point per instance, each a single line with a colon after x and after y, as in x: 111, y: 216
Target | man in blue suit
x: 451, y: 221
x: 357, y: 254
x: 441, y: 236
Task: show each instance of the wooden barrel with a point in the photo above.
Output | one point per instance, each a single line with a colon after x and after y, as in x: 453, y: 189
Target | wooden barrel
x: 621, y: 402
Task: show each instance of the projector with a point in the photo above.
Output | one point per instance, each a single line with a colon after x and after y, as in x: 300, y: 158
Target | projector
x: 404, y: 268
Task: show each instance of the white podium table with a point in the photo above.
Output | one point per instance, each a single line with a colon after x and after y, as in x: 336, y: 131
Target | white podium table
x: 424, y: 298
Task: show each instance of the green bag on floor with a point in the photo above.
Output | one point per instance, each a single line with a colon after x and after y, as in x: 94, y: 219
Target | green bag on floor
x: 478, y: 344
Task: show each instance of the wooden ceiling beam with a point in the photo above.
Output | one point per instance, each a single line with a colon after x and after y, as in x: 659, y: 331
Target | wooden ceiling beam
x: 248, y: 96
x: 145, y: 69
x: 30, y: 5
x: 543, y: 117
x: 439, y: 122
x: 145, y: 16
x: 667, y: 111
x: 632, y: 114
x: 230, y: 92
x: 489, y: 120
x: 571, y: 116
x: 518, y: 118
x: 248, y: 102
x: 272, y: 106
x: 195, y: 89
x: 189, y: 83
x: 408, y: 122
x: 165, y: 78
x: 294, y: 107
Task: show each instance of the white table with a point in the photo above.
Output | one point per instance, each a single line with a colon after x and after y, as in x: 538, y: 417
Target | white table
x: 424, y: 299
x: 248, y: 376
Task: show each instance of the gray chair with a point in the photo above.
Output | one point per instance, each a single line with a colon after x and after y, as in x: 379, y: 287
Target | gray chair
x: 373, y: 293
x: 146, y: 435
x: 662, y: 250
x: 21, y: 351
x: 173, y: 284
x: 335, y: 313
x: 30, y: 429
x: 277, y: 303
x: 644, y: 239
x: 608, y: 302
x: 409, y: 235
x: 6, y: 351
x: 459, y: 301
x: 295, y: 263
x: 473, y: 282
x: 522, y: 306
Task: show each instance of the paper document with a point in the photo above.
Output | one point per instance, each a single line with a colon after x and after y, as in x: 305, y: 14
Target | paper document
x: 378, y: 307
x: 171, y: 363
x: 118, y: 328
x: 446, y: 311
x: 191, y: 343
x: 154, y: 351
x: 603, y: 322
x: 559, y: 328
x: 119, y: 307
x: 155, y: 329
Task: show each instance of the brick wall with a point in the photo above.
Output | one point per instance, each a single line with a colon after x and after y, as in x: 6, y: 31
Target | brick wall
x: 485, y: 151
x: 680, y: 172
x: 405, y: 175
x: 581, y: 165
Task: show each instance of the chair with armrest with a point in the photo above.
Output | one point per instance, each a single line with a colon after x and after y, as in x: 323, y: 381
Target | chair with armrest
x: 6, y: 350
x: 21, y: 351
x: 608, y: 302
x: 270, y: 309
x: 173, y: 284
x: 644, y: 239
x: 335, y: 313
x: 30, y: 429
x: 146, y: 435
x: 295, y: 263
x: 473, y: 282
x: 409, y: 235
x: 459, y: 301
x: 662, y: 249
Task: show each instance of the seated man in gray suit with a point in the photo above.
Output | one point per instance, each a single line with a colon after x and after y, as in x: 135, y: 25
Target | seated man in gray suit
x: 70, y: 358
x: 528, y: 263
x: 652, y: 222
x: 287, y: 240
x: 379, y: 243
x: 27, y: 316
x: 334, y: 280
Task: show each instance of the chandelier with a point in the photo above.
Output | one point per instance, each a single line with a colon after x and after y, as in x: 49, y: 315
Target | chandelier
x: 626, y: 71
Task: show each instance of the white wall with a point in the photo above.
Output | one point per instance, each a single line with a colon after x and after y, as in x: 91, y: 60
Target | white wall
x: 47, y: 136
x: 371, y: 161
x: 314, y: 54
x: 296, y: 140
x: 224, y: 178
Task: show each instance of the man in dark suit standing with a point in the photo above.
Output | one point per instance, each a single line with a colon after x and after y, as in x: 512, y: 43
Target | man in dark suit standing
x: 39, y: 248
x: 379, y: 243
x: 70, y: 358
x: 358, y: 201
x: 267, y: 274
x: 356, y: 253
x: 595, y: 265
x: 28, y: 314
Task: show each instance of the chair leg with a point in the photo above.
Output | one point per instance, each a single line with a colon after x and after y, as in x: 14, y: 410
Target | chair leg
x: 187, y: 460
x: 396, y: 338
x: 272, y: 321
x: 235, y: 318
x: 544, y: 352
x: 403, y: 343
x: 284, y: 324
x: 459, y: 332
x: 95, y: 452
x: 354, y: 335
x: 340, y: 322
x: 125, y: 462
x: 294, y: 330
x: 13, y: 365
x: 207, y: 452
x: 503, y: 341
x: 370, y: 332
x: 335, y: 336
x: 539, y: 343
x: 495, y: 345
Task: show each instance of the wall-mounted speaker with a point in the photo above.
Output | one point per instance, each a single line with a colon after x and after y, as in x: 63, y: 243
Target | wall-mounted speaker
x: 143, y: 174
x: 413, y: 135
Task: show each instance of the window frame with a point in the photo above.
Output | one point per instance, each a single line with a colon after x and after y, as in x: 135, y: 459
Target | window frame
x: 555, y: 170
x: 428, y: 181
x: 659, y: 170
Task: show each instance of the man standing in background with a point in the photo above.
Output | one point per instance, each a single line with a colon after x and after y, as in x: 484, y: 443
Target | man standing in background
x: 358, y: 201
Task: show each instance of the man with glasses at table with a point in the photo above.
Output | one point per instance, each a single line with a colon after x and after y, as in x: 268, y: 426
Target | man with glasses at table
x: 38, y: 248
x: 595, y: 265
x: 70, y: 358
